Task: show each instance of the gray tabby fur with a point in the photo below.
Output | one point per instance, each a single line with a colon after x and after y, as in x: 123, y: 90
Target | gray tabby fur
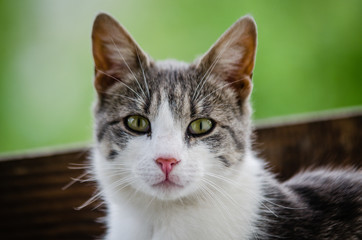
x: 319, y: 204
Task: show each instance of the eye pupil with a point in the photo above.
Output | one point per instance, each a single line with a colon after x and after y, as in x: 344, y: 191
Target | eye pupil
x: 138, y: 122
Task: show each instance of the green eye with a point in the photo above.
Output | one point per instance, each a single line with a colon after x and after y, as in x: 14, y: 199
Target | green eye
x: 200, y: 126
x: 138, y: 124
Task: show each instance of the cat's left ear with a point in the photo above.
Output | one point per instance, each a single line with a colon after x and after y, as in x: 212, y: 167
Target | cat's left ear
x: 115, y: 53
x: 232, y: 57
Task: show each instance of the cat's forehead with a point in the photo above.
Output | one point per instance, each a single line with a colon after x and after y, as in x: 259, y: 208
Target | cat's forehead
x: 172, y: 82
x: 170, y: 75
x: 189, y: 92
x: 171, y: 64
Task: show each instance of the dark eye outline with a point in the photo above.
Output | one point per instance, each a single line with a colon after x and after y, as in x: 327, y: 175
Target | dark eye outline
x: 189, y: 130
x: 147, y: 131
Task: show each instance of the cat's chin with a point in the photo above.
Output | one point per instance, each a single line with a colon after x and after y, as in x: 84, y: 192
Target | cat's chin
x: 168, y: 190
x: 167, y: 185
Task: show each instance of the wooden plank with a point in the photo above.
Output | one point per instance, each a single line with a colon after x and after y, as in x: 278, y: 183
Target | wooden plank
x: 34, y: 206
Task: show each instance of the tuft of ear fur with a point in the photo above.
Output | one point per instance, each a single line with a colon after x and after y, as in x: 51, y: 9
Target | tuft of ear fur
x: 115, y: 53
x: 233, y: 55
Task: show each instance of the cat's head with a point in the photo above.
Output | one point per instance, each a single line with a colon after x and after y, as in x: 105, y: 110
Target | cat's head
x: 170, y: 129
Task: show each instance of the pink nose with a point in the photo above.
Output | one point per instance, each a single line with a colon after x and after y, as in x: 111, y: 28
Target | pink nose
x: 167, y: 164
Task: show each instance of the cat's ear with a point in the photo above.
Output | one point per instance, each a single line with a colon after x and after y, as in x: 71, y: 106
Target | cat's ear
x: 232, y: 56
x: 115, y: 53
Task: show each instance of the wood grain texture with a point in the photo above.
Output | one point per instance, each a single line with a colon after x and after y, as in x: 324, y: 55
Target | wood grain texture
x: 34, y: 206
x: 293, y: 147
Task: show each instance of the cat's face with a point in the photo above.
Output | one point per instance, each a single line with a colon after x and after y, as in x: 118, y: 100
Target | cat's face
x: 169, y: 129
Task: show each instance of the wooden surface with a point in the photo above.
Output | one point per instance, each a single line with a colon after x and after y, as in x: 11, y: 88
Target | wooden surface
x: 330, y: 142
x: 34, y: 206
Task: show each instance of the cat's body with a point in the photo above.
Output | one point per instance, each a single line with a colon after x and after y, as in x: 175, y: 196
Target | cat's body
x: 173, y: 154
x: 318, y: 204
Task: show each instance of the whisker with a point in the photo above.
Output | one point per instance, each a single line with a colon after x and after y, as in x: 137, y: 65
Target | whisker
x: 120, y: 54
x: 98, y: 205
x: 118, y: 80
x: 79, y: 164
x: 224, y: 211
x: 115, y: 185
x: 74, y: 180
x: 79, y: 167
x: 149, y: 204
x: 129, y: 98
x: 218, y: 89
x: 91, y: 200
x: 143, y: 74
x: 235, y: 184
x: 208, y: 72
x: 222, y: 192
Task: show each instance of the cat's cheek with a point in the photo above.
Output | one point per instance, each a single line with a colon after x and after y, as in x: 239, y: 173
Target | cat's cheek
x: 186, y: 174
x: 148, y: 172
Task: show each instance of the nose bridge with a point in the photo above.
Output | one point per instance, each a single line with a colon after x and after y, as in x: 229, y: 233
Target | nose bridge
x: 168, y: 144
x: 167, y: 136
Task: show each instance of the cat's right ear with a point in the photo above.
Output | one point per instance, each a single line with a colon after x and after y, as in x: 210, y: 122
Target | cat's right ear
x: 115, y: 53
x: 232, y: 56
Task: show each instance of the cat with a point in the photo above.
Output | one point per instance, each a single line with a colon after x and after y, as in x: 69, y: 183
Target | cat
x: 173, y: 152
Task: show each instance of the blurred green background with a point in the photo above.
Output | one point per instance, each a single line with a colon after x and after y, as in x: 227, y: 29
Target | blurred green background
x: 309, y: 57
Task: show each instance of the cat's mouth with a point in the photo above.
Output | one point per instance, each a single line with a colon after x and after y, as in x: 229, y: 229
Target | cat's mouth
x: 167, y: 184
